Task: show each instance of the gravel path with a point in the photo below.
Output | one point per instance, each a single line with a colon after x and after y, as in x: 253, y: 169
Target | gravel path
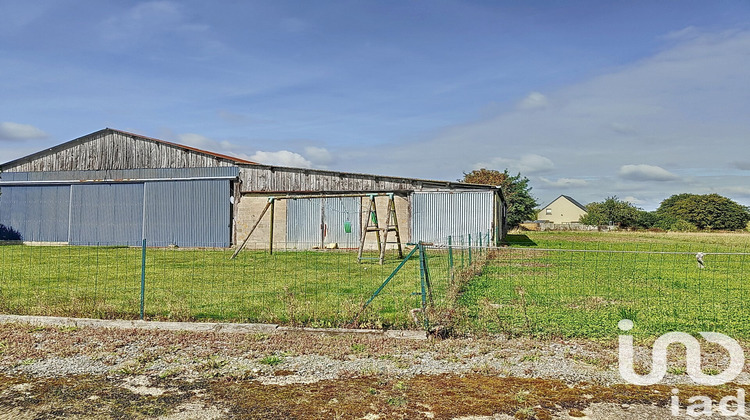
x: 181, y: 369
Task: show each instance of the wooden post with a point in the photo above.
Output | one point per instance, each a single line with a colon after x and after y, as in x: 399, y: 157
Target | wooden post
x: 270, y: 234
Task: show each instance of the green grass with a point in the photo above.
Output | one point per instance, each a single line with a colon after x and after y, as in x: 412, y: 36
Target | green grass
x: 311, y: 288
x: 545, y: 285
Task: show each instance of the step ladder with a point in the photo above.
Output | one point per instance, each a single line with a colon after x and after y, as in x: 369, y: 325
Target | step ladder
x: 372, y: 225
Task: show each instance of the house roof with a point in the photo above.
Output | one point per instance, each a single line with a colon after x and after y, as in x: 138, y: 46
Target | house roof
x: 106, y: 131
x: 569, y: 198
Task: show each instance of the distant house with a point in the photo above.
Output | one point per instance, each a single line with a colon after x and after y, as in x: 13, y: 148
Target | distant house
x: 561, y: 210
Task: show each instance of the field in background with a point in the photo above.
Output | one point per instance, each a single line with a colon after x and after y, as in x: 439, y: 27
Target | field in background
x: 582, y: 284
x: 570, y: 284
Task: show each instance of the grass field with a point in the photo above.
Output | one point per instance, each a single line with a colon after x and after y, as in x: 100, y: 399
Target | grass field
x: 568, y: 284
x: 545, y: 284
x: 312, y: 288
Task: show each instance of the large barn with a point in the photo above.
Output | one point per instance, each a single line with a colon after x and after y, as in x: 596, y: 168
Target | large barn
x: 116, y: 188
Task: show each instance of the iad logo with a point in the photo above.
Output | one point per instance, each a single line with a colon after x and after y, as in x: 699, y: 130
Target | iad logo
x: 693, y: 357
x: 700, y: 405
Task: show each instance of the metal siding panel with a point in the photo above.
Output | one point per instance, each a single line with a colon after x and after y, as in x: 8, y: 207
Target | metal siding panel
x: 106, y: 214
x: 124, y: 174
x: 187, y: 213
x: 437, y: 215
x: 337, y: 212
x: 303, y: 220
x: 38, y: 213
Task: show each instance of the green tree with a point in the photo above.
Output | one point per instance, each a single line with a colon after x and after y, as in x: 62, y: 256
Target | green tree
x: 516, y: 190
x: 614, y: 211
x: 708, y: 211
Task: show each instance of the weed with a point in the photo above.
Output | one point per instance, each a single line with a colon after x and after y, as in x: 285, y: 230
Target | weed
x: 131, y: 368
x: 170, y: 372
x: 676, y: 370
x: 400, y: 386
x: 529, y: 358
x: 521, y: 396
x: 213, y: 363
x: 271, y: 360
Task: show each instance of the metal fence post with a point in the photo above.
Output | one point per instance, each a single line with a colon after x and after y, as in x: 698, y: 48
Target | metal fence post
x: 143, y: 275
x: 426, y: 287
x: 450, y: 252
x: 469, y: 249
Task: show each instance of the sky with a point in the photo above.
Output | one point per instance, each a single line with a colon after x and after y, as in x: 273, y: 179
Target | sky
x: 592, y: 99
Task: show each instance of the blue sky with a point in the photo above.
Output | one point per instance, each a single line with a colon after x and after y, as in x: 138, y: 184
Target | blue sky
x: 639, y: 99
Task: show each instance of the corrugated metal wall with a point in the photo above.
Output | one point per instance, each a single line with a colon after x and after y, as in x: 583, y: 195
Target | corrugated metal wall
x: 106, y: 214
x: 338, y: 212
x: 303, y: 223
x: 187, y: 213
x: 313, y: 222
x: 39, y: 213
x: 437, y: 215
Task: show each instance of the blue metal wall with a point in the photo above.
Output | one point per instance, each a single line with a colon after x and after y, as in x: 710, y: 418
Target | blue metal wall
x: 191, y: 212
x: 106, y: 214
x: 437, y: 215
x: 187, y: 213
x: 38, y: 213
x: 337, y: 213
x: 312, y: 222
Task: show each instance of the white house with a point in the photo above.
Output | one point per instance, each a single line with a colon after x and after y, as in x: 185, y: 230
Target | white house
x: 563, y: 209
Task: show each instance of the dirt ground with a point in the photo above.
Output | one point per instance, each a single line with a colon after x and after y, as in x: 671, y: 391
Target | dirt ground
x: 61, y: 370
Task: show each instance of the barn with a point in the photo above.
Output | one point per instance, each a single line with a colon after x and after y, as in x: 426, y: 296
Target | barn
x: 112, y: 187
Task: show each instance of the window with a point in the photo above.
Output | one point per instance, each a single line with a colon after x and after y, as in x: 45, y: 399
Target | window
x: 549, y: 211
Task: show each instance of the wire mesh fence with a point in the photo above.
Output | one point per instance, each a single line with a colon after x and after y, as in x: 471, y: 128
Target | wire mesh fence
x: 459, y: 285
x: 585, y: 291
x: 322, y: 288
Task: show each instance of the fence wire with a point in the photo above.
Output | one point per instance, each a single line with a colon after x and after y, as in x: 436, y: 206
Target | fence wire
x: 472, y: 288
x: 320, y: 288
x: 585, y: 292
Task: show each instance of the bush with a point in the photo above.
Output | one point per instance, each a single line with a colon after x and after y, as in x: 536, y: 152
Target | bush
x: 9, y: 234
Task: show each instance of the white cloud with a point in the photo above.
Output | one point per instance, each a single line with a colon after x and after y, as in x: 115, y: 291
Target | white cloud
x: 736, y: 190
x: 646, y: 173
x: 15, y: 131
x: 526, y: 164
x: 314, y: 157
x: 281, y: 158
x: 319, y: 156
x: 564, y: 182
x: 210, y: 145
x: 534, y: 100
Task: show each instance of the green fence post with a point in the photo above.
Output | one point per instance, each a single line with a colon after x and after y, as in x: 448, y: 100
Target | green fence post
x: 450, y: 253
x: 425, y: 284
x: 143, y: 275
x: 469, y: 249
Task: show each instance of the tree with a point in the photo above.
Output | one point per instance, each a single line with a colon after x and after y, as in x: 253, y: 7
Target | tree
x: 516, y: 190
x: 614, y: 211
x: 708, y: 211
